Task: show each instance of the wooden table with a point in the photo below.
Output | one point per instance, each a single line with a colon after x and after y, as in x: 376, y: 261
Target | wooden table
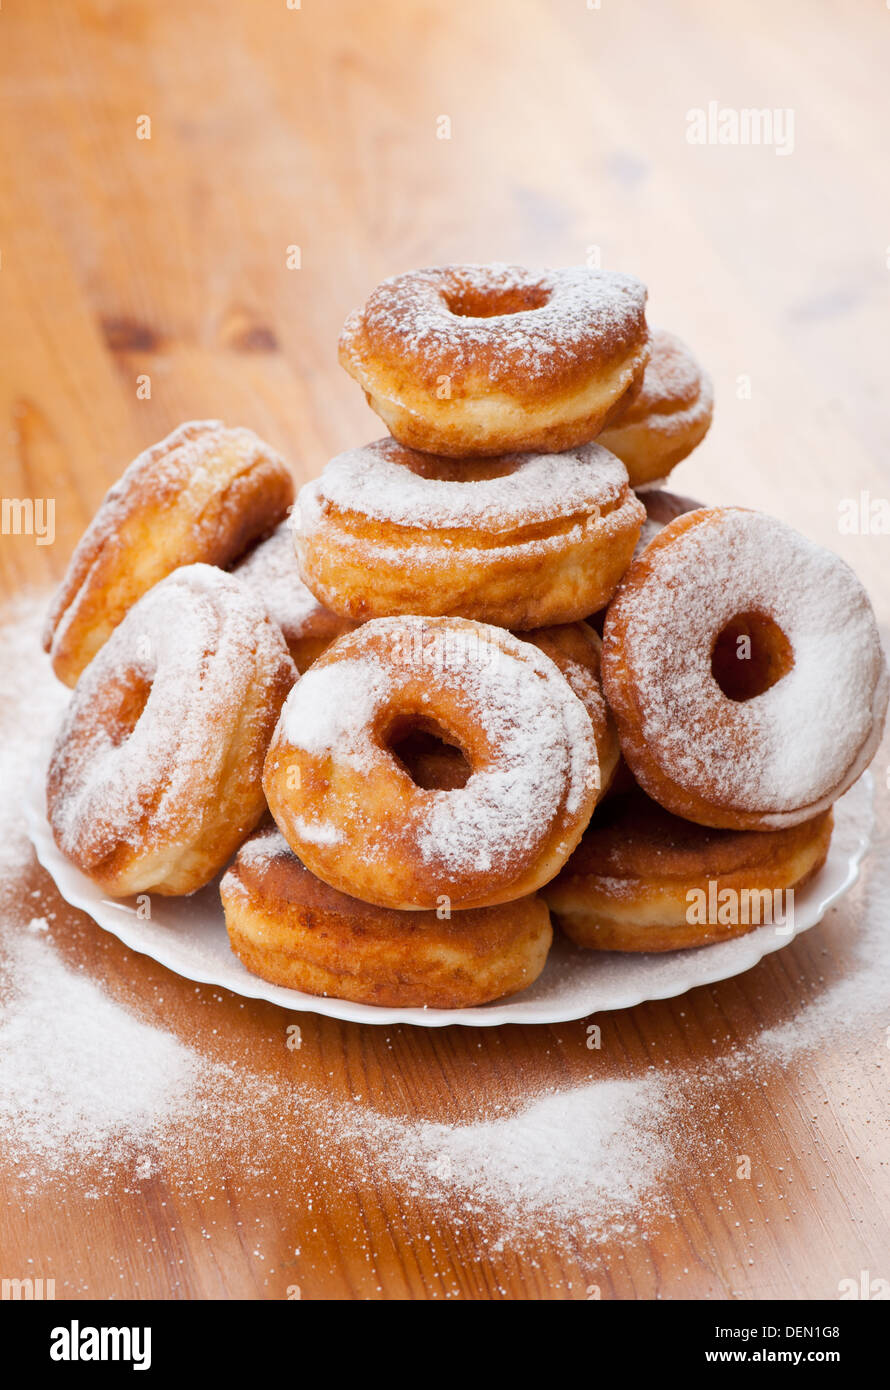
x: 146, y: 280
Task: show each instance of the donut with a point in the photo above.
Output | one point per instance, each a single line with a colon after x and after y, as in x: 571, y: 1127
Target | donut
x: 156, y: 773
x: 271, y: 572
x: 667, y: 417
x: 644, y: 880
x: 522, y: 541
x: 743, y: 666
x: 202, y: 494
x: 477, y: 360
x: 577, y: 650
x: 352, y: 813
x: 290, y: 928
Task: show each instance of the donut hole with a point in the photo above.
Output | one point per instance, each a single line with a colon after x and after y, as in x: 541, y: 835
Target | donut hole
x: 444, y: 470
x: 471, y: 301
x: 131, y: 702
x: 750, y: 655
x: 428, y: 754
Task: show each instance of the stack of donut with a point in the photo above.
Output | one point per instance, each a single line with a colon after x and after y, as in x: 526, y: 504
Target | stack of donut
x: 487, y: 669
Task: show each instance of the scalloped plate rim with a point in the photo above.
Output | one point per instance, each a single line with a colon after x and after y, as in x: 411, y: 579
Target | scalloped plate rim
x: 80, y: 892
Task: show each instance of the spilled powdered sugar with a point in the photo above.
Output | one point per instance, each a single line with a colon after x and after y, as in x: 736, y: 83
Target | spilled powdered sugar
x: 83, y: 1080
x: 863, y: 994
x: 375, y: 481
x: 78, y: 1072
x: 32, y: 702
x: 566, y: 1153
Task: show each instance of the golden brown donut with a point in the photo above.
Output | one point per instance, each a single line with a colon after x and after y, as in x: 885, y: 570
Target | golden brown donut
x: 271, y: 572
x: 352, y: 813
x: 644, y: 880
x: 470, y: 360
x: 744, y: 669
x: 202, y: 494
x: 667, y: 418
x: 577, y: 651
x: 289, y: 927
x: 155, y: 777
x: 522, y: 541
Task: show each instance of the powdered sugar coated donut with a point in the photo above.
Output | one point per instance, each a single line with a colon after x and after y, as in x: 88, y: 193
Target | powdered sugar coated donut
x: 630, y: 883
x: 470, y: 360
x: 289, y: 927
x: 350, y: 810
x: 204, y: 493
x: 522, y: 541
x: 743, y: 666
x: 155, y: 777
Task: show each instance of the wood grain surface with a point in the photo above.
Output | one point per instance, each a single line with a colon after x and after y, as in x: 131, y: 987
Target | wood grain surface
x: 124, y: 259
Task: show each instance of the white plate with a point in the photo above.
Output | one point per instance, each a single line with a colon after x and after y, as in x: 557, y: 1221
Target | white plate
x: 188, y: 935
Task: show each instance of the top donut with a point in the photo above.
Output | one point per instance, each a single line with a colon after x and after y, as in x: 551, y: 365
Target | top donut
x: 479, y: 360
